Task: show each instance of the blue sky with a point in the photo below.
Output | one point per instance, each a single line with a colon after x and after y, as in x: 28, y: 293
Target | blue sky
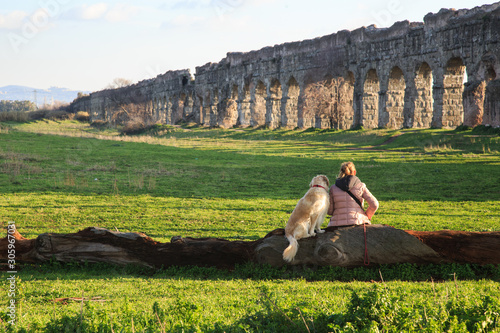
x: 84, y: 45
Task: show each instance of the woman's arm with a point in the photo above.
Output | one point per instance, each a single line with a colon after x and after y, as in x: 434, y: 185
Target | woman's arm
x: 372, y: 203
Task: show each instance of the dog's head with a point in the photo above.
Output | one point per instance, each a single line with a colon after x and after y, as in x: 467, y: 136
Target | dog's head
x: 320, y: 180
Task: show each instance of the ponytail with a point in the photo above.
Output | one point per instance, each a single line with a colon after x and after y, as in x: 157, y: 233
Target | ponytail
x: 347, y: 169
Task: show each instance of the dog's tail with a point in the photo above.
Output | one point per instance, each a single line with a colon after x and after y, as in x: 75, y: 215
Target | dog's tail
x: 291, y: 250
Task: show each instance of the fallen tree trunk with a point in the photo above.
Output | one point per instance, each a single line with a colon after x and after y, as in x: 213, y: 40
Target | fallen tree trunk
x: 336, y: 247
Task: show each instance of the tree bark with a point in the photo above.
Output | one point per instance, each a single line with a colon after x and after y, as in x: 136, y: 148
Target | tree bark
x: 336, y: 247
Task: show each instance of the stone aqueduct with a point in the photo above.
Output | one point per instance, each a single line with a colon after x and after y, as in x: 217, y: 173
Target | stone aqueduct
x: 443, y: 72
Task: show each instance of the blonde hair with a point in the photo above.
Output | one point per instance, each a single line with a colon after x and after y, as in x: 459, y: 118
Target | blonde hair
x: 347, y: 169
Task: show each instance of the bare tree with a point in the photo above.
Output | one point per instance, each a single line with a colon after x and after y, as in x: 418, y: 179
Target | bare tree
x: 324, y: 99
x: 127, y: 105
x: 119, y: 82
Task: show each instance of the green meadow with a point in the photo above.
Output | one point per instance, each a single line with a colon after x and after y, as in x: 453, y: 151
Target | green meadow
x: 240, y: 184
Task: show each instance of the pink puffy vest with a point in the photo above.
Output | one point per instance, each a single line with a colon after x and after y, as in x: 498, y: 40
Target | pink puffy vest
x: 345, y: 211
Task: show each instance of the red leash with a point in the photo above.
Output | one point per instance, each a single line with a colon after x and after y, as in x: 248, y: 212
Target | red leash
x: 367, y: 258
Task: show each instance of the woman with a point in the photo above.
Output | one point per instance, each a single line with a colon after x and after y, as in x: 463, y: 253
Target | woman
x: 344, y: 208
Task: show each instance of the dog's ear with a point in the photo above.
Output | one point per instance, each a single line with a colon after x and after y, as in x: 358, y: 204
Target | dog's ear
x: 327, y: 181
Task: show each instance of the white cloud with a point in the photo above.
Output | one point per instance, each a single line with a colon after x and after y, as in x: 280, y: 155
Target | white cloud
x: 184, y: 21
x: 187, y: 20
x: 120, y: 13
x: 254, y: 2
x: 41, y: 19
x: 102, y: 11
x: 93, y: 12
x: 13, y: 20
x: 362, y: 6
x: 189, y: 4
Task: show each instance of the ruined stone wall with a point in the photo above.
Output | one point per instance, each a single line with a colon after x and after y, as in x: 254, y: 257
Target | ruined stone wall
x: 408, y: 75
x: 166, y: 99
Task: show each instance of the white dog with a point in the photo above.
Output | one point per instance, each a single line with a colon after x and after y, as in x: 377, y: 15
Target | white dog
x: 308, y: 215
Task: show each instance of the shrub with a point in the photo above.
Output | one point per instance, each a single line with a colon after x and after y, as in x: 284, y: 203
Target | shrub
x: 82, y: 116
x: 312, y: 129
x: 3, y: 128
x: 56, y: 114
x: 99, y: 123
x: 357, y: 128
x: 36, y: 115
x: 17, y: 116
x: 462, y: 128
x: 135, y: 126
x: 486, y: 130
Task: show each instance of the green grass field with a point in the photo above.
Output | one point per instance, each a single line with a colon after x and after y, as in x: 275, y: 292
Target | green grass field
x: 239, y: 184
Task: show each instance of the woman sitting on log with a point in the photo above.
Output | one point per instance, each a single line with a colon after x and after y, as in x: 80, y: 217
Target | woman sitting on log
x: 347, y: 196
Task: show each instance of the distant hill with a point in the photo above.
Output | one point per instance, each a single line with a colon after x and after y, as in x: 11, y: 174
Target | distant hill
x: 43, y: 96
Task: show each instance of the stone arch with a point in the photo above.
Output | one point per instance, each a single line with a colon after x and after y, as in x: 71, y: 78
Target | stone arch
x: 170, y: 110
x: 371, y: 88
x: 307, y: 103
x: 490, y: 74
x: 492, y: 104
x: 326, y: 95
x: 487, y: 69
x: 345, y: 105
x: 423, y: 105
x: 178, y: 109
x: 273, y: 104
x: 102, y: 111
x: 244, y: 113
x: 214, y: 107
x: 150, y: 108
x: 164, y: 107
x: 258, y: 104
x: 229, y: 108
x: 395, y: 99
x: 159, y: 109
x: 290, y: 103
x: 234, y: 92
x: 154, y: 109
x: 453, y: 88
x: 478, y: 95
x: 188, y: 112
x: 198, y: 108
x: 206, y: 108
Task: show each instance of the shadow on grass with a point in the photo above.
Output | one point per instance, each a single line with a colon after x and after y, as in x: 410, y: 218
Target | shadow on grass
x: 252, y: 271
x: 82, y: 166
x: 190, y: 173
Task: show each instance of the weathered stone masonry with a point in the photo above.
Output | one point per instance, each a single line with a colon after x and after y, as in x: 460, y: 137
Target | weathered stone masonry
x: 408, y: 75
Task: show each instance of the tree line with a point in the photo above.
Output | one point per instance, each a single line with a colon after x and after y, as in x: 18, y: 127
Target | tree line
x: 12, y: 106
